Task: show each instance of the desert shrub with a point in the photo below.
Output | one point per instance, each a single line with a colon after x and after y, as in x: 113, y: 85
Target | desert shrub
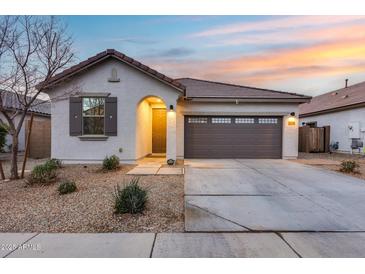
x: 131, y: 198
x: 111, y: 163
x: 349, y: 166
x: 3, y: 133
x: 42, y: 174
x: 54, y: 163
x: 67, y: 187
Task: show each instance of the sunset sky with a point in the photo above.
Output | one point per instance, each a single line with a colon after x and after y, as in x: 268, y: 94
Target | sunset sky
x: 304, y: 54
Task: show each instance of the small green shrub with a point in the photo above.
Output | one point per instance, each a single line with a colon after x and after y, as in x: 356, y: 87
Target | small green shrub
x: 111, y: 163
x: 54, y: 163
x: 42, y: 174
x: 349, y: 166
x: 67, y: 187
x: 131, y: 198
x: 3, y: 133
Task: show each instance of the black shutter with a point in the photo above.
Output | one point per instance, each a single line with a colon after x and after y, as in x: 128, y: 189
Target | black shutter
x: 111, y: 112
x: 75, y: 116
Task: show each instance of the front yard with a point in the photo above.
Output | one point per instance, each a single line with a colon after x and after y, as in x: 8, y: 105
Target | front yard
x: 40, y: 208
x: 332, y: 161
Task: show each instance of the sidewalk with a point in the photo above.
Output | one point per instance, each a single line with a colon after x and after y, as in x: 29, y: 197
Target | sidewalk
x: 145, y: 245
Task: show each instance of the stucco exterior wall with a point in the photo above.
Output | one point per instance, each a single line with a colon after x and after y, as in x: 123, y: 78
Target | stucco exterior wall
x: 339, y: 121
x: 133, y: 87
x: 143, y: 130
x: 290, y: 133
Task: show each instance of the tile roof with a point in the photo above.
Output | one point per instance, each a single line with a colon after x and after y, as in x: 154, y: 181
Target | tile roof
x: 120, y: 56
x: 190, y: 87
x: 11, y: 102
x: 196, y: 88
x: 349, y: 97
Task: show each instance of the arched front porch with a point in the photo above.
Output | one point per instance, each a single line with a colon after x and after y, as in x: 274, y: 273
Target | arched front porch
x: 155, y: 129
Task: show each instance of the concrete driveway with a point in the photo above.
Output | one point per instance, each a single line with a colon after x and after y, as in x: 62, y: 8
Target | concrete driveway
x: 270, y: 195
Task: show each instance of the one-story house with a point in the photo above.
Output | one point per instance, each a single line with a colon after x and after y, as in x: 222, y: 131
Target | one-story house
x: 41, y: 137
x: 125, y: 108
x: 343, y: 110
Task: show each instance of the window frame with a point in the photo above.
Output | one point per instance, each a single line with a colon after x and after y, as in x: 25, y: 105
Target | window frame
x: 221, y: 120
x: 97, y: 116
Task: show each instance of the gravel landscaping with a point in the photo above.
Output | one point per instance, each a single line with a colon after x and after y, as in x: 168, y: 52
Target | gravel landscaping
x: 332, y: 161
x: 91, y: 208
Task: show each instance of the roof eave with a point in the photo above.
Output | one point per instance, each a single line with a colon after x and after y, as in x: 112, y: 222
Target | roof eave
x: 102, y: 58
x: 248, y: 100
x: 331, y: 110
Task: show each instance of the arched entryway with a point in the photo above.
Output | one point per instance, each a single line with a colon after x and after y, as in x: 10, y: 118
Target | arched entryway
x: 151, y: 128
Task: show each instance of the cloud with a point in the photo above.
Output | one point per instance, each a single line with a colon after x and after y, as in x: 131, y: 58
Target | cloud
x: 172, y: 53
x: 334, y: 58
x: 281, y: 23
x: 293, y: 36
x: 132, y: 40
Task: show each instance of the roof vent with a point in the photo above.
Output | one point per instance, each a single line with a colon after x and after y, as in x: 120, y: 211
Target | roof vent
x: 346, y: 81
x: 345, y: 96
x: 334, y: 93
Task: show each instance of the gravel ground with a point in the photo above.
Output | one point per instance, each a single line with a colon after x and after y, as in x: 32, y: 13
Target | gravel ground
x: 29, y: 165
x: 90, y: 208
x: 332, y: 161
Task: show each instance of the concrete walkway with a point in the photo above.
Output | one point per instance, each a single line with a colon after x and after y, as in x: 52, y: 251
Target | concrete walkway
x: 155, y: 166
x: 177, y: 245
x: 270, y: 195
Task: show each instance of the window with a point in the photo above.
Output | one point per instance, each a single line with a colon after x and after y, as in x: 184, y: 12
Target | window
x: 268, y: 120
x: 221, y: 120
x: 197, y: 120
x: 93, y: 116
x: 244, y: 120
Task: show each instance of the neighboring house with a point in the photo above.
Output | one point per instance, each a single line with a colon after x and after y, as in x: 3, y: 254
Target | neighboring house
x: 128, y: 109
x: 42, y: 117
x: 343, y: 110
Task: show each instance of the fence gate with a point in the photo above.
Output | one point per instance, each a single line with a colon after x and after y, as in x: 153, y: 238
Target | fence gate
x: 314, y: 139
x: 40, y: 139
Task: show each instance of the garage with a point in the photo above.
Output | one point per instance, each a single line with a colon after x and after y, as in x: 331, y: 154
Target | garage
x: 222, y: 137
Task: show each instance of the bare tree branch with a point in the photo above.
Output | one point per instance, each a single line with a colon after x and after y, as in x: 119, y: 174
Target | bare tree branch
x: 33, y: 49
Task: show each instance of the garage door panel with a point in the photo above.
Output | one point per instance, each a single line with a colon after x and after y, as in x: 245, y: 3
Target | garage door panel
x: 234, y: 140
x: 222, y: 141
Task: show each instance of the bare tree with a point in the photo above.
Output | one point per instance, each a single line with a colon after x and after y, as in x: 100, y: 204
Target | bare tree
x: 34, y: 49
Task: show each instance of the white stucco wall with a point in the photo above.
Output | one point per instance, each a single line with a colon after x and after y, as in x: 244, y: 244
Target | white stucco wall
x: 339, y: 121
x: 132, y: 88
x: 143, y: 129
x: 290, y: 133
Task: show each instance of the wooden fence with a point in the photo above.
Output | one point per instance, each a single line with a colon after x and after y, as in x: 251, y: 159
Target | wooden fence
x: 314, y: 139
x: 40, y: 139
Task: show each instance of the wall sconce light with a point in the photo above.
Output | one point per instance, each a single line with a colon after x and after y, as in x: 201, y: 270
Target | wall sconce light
x: 291, y: 120
x: 171, y: 108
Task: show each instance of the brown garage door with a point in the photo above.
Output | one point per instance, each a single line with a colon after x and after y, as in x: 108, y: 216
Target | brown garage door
x: 233, y: 137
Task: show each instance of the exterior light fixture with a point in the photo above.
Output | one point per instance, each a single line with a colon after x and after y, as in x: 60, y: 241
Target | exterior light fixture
x: 291, y: 119
x: 171, y: 108
x: 170, y: 162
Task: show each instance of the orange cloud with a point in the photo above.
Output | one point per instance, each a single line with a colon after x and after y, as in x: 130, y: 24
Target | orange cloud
x: 325, y: 59
x: 277, y: 24
x: 336, y: 33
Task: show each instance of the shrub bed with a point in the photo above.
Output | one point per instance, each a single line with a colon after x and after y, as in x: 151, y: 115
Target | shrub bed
x: 67, y: 187
x: 131, y: 198
x: 42, y: 174
x: 111, y: 163
x: 349, y: 166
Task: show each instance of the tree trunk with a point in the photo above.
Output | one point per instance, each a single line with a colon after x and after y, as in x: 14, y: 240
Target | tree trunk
x: 14, y: 158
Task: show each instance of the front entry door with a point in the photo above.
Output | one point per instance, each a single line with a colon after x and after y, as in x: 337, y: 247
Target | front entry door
x: 158, y: 130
